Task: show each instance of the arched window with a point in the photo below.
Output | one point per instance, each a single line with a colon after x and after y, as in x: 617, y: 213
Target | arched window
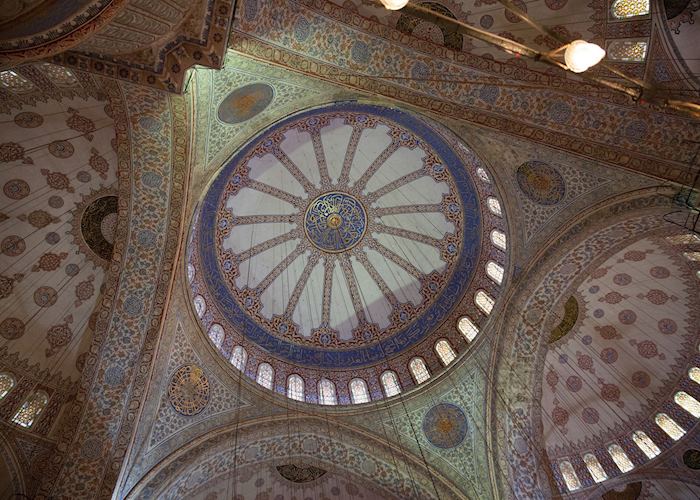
x: 390, y: 383
x: 484, y: 301
x: 265, y: 375
x: 645, y: 444
x: 688, y: 403
x: 692, y: 255
x: 295, y: 387
x: 358, y: 391
x: 190, y: 272
x: 669, y: 426
x: 569, y: 475
x: 419, y: 370
x: 694, y: 374
x: 622, y: 9
x: 31, y: 409
x: 216, y: 334
x: 594, y: 468
x: 7, y: 382
x: 481, y: 173
x: 494, y: 206
x: 498, y: 238
x: 239, y: 357
x: 200, y: 305
x: 58, y: 75
x: 326, y: 392
x: 15, y: 82
x: 627, y: 50
x: 620, y: 458
x: 495, y: 272
x: 445, y: 352
x: 467, y: 328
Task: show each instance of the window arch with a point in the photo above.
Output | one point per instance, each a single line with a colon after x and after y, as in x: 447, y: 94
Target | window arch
x: 669, y: 426
x: 190, y: 272
x: 620, y: 458
x: 484, y: 301
x: 494, y: 206
x: 495, y: 272
x: 622, y: 9
x: 419, y: 370
x: 31, y: 409
x: 481, y: 173
x: 265, y: 376
x: 688, y: 403
x: 594, y: 468
x: 627, y: 50
x: 569, y: 475
x: 694, y: 374
x: 645, y: 444
x: 7, y: 382
x: 326, y: 392
x: 15, y: 82
x: 200, y: 305
x: 239, y: 357
x: 295, y: 387
x: 216, y: 335
x: 498, y: 238
x: 445, y: 352
x: 390, y: 383
x: 467, y: 328
x: 358, y: 391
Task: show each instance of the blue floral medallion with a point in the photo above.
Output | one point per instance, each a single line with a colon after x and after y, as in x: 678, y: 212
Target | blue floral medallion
x: 335, y: 222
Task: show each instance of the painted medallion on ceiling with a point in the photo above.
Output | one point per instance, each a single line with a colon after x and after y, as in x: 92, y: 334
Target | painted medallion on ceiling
x: 246, y: 102
x: 541, y: 182
x: 337, y: 239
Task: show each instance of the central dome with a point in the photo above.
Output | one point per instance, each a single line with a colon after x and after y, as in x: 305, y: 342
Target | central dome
x: 339, y: 238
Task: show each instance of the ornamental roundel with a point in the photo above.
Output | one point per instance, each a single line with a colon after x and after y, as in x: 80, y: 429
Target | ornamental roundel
x: 189, y: 390
x: 541, y: 182
x: 445, y: 425
x: 245, y: 102
x: 338, y: 238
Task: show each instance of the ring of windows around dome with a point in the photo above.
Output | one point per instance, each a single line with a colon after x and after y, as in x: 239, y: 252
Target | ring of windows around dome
x: 466, y: 196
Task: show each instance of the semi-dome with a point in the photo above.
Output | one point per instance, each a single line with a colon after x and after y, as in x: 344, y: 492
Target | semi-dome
x: 344, y: 243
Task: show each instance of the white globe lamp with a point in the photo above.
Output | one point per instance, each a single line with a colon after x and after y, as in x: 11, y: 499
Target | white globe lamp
x: 581, y: 55
x: 394, y: 4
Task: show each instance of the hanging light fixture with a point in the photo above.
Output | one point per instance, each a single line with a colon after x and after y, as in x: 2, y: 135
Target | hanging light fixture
x: 394, y: 4
x: 581, y: 55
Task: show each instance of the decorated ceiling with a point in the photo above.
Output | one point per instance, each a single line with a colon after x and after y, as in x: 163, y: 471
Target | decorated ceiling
x: 353, y: 256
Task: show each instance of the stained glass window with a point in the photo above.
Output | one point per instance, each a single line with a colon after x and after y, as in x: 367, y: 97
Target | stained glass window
x: 484, y: 301
x: 216, y: 334
x: 445, y: 352
x: 419, y: 370
x: 623, y: 9
x: 627, y: 50
x: 190, y: 272
x: 495, y: 272
x: 15, y: 82
x: 494, y: 206
x: 59, y: 75
x: 326, y: 392
x: 482, y: 174
x: 200, y: 305
x: 684, y: 239
x: 594, y: 468
x: 239, y: 357
x: 498, y: 238
x: 295, y: 387
x: 265, y: 375
x: 694, y: 374
x: 645, y: 444
x: 7, y: 382
x: 569, y: 475
x: 390, y: 383
x: 669, y: 426
x: 358, y: 391
x: 620, y: 458
x: 688, y: 403
x: 31, y: 409
x: 467, y: 328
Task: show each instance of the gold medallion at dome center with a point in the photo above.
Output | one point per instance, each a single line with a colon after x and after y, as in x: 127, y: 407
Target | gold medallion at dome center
x: 334, y: 221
